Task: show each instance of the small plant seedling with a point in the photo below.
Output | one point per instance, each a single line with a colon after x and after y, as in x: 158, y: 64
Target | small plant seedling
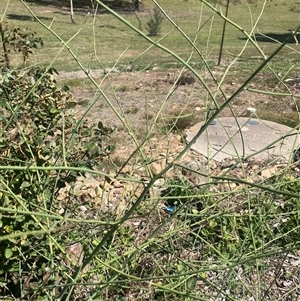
x: 153, y: 26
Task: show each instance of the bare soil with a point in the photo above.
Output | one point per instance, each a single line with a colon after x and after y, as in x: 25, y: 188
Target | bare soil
x: 150, y: 99
x: 158, y: 105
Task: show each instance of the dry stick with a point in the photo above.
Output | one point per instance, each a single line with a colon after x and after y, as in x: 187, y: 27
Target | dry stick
x: 4, y: 45
x: 295, y: 36
x: 140, y: 23
x: 93, y: 6
x: 223, y: 34
x: 72, y: 12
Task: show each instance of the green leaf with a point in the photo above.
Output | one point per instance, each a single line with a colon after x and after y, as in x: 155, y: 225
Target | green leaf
x: 2, y: 102
x: 195, y: 211
x: 8, y: 253
x: 2, y: 117
x: 8, y: 228
x: 25, y: 184
x: 32, y: 80
x: 54, y: 110
x: 100, y: 125
x: 180, y: 267
x: 65, y: 88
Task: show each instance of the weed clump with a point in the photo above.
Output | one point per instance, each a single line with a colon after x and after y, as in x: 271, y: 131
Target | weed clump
x: 153, y: 26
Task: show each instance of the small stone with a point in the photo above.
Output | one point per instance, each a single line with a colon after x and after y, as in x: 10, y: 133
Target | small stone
x: 91, y: 193
x: 141, y: 171
x: 230, y: 185
x: 139, y: 190
x: 118, y: 191
x: 64, y: 192
x: 61, y: 210
x: 227, y: 162
x: 238, y: 173
x: 163, y: 155
x: 268, y: 172
x: 83, y: 208
x: 75, y: 256
x: 90, y: 215
x: 80, y: 179
x: 126, y: 169
x: 117, y: 184
x: 177, y: 138
x: 255, y: 168
x: 105, y: 185
x: 192, y: 170
x: 156, y: 168
x: 98, y: 191
x: 212, y: 165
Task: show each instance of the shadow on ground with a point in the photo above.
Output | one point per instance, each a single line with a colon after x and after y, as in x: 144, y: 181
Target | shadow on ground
x: 111, y: 27
x: 272, y: 37
x: 114, y: 4
x: 26, y: 18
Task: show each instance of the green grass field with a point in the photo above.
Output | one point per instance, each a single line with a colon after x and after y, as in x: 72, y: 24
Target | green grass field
x: 102, y: 40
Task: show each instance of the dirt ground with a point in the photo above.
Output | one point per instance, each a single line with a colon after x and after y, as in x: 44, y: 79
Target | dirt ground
x: 161, y: 104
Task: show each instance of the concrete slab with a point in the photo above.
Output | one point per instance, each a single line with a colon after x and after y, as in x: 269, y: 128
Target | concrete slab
x: 235, y: 138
